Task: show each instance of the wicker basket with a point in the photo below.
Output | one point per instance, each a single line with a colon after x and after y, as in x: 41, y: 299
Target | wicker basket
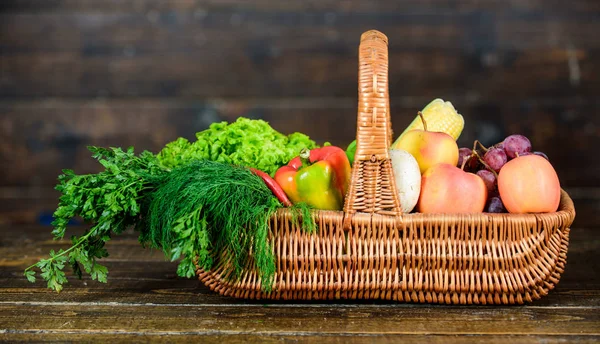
x: 373, y: 251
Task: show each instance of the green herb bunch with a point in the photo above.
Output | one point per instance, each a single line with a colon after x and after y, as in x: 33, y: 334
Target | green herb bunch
x: 207, y: 206
x: 110, y: 201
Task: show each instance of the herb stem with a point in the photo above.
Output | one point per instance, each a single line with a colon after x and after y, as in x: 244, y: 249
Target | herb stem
x: 53, y: 258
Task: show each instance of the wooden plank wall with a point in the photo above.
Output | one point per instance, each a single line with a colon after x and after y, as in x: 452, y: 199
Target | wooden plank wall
x: 143, y: 72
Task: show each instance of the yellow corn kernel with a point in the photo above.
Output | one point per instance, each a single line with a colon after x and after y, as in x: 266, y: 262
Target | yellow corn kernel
x: 440, y: 116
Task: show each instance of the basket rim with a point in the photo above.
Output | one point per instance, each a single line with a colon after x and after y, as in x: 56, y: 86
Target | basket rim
x: 566, y: 210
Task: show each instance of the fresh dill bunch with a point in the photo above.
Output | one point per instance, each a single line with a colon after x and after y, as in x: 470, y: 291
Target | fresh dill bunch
x: 110, y: 201
x: 206, y: 206
x: 303, y: 211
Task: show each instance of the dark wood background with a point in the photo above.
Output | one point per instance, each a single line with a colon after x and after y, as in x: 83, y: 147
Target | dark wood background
x: 144, y: 72
x: 117, y: 73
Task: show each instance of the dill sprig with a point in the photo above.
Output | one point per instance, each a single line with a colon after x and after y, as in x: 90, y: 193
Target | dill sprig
x: 303, y: 211
x: 207, y: 206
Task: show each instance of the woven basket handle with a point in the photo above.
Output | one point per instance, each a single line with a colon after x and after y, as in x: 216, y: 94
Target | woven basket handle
x: 372, y: 186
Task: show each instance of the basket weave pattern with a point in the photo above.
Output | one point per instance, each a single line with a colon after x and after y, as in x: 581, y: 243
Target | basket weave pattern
x: 373, y: 251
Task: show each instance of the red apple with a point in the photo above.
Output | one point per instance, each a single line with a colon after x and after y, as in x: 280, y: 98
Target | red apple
x: 529, y: 184
x: 446, y: 188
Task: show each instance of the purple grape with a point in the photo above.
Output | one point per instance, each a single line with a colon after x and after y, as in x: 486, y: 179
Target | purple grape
x: 542, y: 155
x: 472, y: 164
x: 463, y: 153
x: 489, y: 179
x: 515, y: 145
x: 495, y: 158
x: 495, y: 205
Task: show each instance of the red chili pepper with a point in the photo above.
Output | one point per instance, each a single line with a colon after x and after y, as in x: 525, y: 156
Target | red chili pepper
x: 273, y: 186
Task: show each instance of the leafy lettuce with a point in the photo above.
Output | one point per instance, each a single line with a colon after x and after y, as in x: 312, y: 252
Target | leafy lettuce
x: 245, y: 142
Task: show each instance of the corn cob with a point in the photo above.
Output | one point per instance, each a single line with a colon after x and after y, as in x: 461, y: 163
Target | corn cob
x: 440, y: 116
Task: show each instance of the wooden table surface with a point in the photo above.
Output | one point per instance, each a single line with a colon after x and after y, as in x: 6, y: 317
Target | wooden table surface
x: 144, y: 301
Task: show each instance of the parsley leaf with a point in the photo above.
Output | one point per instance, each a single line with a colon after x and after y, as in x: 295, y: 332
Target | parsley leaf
x: 110, y: 201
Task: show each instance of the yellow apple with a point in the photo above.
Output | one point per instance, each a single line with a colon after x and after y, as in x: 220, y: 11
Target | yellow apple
x: 429, y: 148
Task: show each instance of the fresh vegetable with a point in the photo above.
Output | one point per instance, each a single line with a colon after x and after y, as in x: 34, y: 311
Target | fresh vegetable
x: 351, y: 152
x: 273, y: 186
x: 189, y: 212
x: 318, y: 178
x: 440, y: 116
x: 110, y: 201
x: 245, y: 142
x: 408, y: 178
x: 207, y: 206
x: 193, y: 200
